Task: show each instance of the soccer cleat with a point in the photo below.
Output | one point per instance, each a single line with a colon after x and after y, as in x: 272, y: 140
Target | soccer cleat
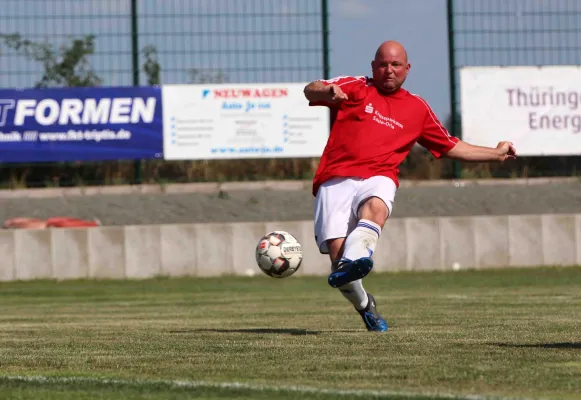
x: 373, y: 321
x: 349, y: 271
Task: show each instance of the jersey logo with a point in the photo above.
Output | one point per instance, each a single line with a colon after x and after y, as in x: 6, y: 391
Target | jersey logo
x: 382, y: 119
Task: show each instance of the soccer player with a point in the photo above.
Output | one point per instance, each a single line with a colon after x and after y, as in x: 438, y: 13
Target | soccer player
x: 375, y: 124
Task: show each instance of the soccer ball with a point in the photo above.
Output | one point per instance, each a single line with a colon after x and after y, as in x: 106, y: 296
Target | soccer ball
x: 279, y: 254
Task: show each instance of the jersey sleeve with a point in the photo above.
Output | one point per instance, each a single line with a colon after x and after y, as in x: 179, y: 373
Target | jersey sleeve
x: 435, y: 137
x: 348, y: 85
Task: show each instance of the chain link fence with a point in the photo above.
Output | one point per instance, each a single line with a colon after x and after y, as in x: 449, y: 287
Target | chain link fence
x: 193, y: 40
x: 513, y: 33
x: 56, y: 43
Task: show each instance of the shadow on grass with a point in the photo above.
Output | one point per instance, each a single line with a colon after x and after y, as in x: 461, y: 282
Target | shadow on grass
x: 563, y: 345
x: 290, y: 331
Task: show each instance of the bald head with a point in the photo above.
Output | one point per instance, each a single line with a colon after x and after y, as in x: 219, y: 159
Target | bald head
x: 390, y: 66
x: 391, y: 47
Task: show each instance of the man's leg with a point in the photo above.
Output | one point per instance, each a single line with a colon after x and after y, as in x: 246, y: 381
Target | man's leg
x: 371, y: 207
x: 371, y: 215
x: 335, y: 217
x: 335, y: 247
x: 363, y: 302
x: 360, y: 243
x: 352, y: 291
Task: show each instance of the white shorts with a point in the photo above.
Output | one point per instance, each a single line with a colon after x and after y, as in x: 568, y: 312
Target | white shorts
x: 337, y: 203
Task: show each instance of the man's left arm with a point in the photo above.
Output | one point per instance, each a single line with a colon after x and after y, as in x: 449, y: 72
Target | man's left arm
x: 440, y: 143
x: 467, y: 152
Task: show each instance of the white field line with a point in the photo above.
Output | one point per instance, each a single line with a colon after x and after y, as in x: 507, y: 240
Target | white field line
x: 75, y: 380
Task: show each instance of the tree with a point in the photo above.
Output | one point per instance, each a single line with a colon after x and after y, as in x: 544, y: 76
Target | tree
x: 151, y: 66
x: 152, y: 69
x: 66, y: 67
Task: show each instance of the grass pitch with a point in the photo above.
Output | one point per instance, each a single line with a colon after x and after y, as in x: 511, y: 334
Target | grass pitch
x: 513, y: 333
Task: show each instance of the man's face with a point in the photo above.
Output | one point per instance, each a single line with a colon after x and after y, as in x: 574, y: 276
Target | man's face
x: 390, y: 70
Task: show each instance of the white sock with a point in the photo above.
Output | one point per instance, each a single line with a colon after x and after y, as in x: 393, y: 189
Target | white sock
x: 362, y: 241
x: 355, y: 293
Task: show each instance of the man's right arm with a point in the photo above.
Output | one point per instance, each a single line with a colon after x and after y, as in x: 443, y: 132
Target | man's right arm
x: 319, y: 92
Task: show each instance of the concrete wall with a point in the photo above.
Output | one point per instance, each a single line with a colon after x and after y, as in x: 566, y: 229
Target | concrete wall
x: 217, y: 249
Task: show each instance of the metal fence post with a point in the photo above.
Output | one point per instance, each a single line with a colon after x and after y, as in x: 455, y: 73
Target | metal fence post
x: 452, y: 77
x: 325, y: 32
x: 135, y: 68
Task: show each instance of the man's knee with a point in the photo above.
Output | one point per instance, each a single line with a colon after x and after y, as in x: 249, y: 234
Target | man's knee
x: 374, y: 209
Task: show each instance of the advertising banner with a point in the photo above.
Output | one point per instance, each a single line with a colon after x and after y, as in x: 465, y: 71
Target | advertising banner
x: 233, y: 121
x: 536, y: 108
x: 80, y: 124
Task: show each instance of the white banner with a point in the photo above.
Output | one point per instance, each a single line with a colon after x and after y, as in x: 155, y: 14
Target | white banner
x: 230, y: 121
x: 536, y: 108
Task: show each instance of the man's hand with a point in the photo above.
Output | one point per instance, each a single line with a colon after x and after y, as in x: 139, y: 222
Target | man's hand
x: 506, y: 150
x: 318, y: 91
x: 337, y: 95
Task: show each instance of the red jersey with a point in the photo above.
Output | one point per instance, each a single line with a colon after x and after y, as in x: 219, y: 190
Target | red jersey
x: 372, y: 133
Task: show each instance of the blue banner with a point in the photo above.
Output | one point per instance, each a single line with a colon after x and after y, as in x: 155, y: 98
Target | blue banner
x: 80, y: 124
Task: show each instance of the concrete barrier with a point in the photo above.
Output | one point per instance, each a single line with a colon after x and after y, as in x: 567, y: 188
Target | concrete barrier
x: 559, y: 239
x: 458, y: 242
x: 70, y: 253
x: 33, y: 255
x: 178, y: 250
x: 407, y: 244
x: 491, y: 244
x: 143, y: 251
x: 7, y: 249
x: 106, y: 252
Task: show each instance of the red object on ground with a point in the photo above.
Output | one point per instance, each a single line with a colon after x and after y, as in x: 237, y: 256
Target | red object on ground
x: 67, y: 222
x: 24, y: 223
x: 55, y: 222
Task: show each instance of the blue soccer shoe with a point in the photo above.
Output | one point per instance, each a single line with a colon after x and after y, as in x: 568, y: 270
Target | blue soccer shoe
x: 349, y: 271
x: 373, y: 321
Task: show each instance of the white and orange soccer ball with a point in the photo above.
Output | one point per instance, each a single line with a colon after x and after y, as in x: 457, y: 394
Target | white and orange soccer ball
x: 279, y: 254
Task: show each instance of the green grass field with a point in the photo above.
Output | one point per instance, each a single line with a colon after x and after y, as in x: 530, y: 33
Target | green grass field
x: 486, y: 334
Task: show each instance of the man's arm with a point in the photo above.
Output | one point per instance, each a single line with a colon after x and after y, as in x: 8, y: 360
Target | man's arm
x: 463, y: 151
x: 317, y: 91
x: 438, y: 140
